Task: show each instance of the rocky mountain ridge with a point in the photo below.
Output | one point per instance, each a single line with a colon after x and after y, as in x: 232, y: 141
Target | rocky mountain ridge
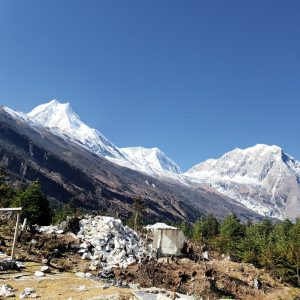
x: 262, y: 178
x: 67, y: 171
x: 62, y: 120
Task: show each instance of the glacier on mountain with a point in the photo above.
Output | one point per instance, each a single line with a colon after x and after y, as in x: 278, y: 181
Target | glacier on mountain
x: 152, y: 157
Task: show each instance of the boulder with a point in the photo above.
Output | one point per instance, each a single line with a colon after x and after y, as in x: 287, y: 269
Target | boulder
x: 28, y: 293
x: 80, y: 274
x: 46, y: 269
x: 39, y: 274
x: 257, y: 283
x: 86, y: 256
x: 205, y: 255
x: 7, y: 291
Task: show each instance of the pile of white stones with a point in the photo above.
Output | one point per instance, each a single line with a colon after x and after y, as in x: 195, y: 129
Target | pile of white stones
x: 108, y: 243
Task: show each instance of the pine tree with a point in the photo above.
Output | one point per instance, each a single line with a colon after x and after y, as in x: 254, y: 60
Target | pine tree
x: 231, y: 233
x: 35, y: 205
x: 206, y: 229
x: 139, y: 207
x: 66, y: 210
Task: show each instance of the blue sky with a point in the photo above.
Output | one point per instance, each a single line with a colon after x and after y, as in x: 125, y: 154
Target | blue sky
x: 195, y: 78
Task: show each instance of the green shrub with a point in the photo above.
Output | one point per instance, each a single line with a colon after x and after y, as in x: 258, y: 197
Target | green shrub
x: 35, y: 205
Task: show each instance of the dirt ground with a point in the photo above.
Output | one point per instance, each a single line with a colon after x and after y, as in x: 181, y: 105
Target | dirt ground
x: 60, y: 285
x: 213, y: 279
x: 183, y: 276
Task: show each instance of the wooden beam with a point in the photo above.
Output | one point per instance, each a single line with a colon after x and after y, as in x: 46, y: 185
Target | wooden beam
x: 11, y: 209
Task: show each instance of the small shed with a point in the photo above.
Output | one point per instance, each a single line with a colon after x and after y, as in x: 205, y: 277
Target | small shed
x: 167, y: 240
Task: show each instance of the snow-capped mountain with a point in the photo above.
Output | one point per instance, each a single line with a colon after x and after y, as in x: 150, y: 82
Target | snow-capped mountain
x: 150, y: 159
x: 61, y: 119
x: 263, y: 178
x: 68, y: 170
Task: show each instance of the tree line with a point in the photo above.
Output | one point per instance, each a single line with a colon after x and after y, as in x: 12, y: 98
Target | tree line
x: 36, y: 207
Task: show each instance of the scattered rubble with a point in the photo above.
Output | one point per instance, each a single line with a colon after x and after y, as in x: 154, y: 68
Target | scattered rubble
x: 8, y: 264
x: 7, y: 291
x: 226, y: 258
x: 28, y: 293
x: 205, y: 255
x: 39, y: 274
x: 59, y: 229
x: 46, y: 269
x: 81, y: 288
x: 80, y: 274
x: 160, y: 294
x: 257, y: 283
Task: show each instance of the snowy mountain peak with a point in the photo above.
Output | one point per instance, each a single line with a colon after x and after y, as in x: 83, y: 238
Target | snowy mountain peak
x: 56, y: 114
x: 151, y: 158
x: 252, y: 165
x: 263, y: 178
x: 261, y: 148
x: 64, y: 121
x: 61, y: 119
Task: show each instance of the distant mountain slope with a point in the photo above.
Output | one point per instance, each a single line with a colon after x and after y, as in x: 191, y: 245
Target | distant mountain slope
x: 263, y: 178
x: 69, y: 171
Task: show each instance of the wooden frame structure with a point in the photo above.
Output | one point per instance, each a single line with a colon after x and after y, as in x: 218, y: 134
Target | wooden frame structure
x: 18, y: 211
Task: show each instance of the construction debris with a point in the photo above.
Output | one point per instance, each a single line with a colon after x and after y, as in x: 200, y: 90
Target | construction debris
x: 205, y: 255
x: 7, y: 291
x: 28, y: 293
x: 108, y: 243
x: 59, y: 229
x: 257, y: 283
x: 39, y: 274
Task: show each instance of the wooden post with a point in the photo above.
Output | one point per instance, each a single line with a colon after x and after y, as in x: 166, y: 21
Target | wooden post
x: 15, y: 236
x: 24, y: 224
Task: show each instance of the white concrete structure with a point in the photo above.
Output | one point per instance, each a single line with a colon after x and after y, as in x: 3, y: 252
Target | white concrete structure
x: 167, y: 240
